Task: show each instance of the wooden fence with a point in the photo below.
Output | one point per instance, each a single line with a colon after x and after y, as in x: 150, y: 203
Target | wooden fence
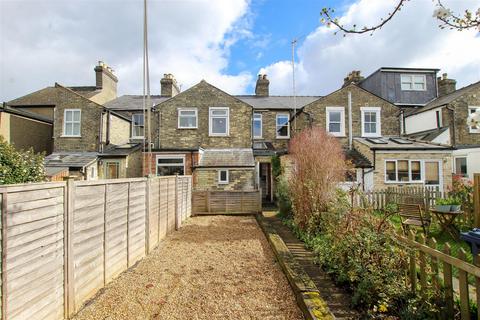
x: 63, y: 241
x: 226, y: 202
x: 378, y: 199
x: 431, y: 267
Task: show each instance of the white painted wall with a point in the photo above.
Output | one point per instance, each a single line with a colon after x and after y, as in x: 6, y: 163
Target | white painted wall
x: 422, y: 121
x: 473, y: 160
x: 444, y: 138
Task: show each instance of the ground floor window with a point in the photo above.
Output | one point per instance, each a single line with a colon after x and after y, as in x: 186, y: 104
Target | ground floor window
x: 411, y: 171
x: 112, y: 169
x: 461, y: 166
x: 223, y: 176
x: 170, y: 165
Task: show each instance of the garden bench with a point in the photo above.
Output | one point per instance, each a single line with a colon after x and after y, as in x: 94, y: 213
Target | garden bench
x: 413, y: 215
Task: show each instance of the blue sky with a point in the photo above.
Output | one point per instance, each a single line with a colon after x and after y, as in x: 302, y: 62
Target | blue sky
x: 224, y: 42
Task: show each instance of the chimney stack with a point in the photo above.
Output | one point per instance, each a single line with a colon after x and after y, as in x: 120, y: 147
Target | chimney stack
x: 168, y: 86
x: 445, y: 85
x: 104, y: 77
x: 261, y: 89
x: 353, y: 77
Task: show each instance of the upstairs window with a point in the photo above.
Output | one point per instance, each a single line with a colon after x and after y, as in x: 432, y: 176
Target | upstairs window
x: 219, y: 121
x: 257, y: 125
x: 336, y: 121
x: 137, y: 125
x: 71, y: 122
x: 413, y: 82
x: 187, y: 118
x: 472, y: 109
x: 283, y: 125
x: 371, y: 122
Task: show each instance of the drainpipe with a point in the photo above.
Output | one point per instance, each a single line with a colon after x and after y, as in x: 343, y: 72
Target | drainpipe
x: 100, y: 134
x: 107, y: 141
x: 350, y: 135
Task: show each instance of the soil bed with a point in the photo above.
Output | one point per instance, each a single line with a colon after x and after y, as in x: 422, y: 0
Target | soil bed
x: 215, y: 267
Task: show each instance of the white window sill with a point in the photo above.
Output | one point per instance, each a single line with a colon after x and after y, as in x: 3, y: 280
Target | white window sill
x: 223, y: 183
x: 404, y: 182
x: 137, y: 138
x: 65, y: 136
x: 219, y: 135
x: 338, y: 135
x: 257, y: 137
x: 283, y: 138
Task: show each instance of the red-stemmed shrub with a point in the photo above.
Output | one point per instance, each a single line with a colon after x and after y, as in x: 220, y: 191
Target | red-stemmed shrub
x: 318, y: 165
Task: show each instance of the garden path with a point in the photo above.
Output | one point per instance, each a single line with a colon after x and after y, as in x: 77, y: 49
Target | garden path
x: 336, y: 298
x: 214, y: 267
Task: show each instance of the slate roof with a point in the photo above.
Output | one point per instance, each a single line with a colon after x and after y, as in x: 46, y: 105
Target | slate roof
x: 276, y: 102
x: 444, y: 100
x: 26, y: 114
x: 400, y: 143
x: 357, y: 159
x: 51, y: 171
x: 241, y: 157
x: 70, y: 159
x: 428, y: 135
x: 43, y: 97
x: 86, y: 91
x: 132, y: 102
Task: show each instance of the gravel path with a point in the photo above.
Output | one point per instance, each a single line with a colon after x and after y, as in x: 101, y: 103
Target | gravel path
x: 215, y: 267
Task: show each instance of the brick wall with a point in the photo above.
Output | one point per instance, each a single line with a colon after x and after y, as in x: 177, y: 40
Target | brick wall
x: 90, y: 123
x: 269, y: 131
x: 190, y: 158
x: 360, y: 98
x: 119, y: 130
x: 239, y: 179
x: 202, y: 96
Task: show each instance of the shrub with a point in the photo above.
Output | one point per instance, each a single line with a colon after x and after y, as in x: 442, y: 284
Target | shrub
x: 283, y: 198
x: 318, y: 167
x: 19, y: 166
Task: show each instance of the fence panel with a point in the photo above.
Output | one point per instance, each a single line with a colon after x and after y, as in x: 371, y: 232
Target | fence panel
x: 33, y: 248
x: 224, y: 202
x: 62, y: 242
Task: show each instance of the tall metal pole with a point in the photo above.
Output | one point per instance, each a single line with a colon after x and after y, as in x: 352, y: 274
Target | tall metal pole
x: 294, y: 42
x: 146, y: 85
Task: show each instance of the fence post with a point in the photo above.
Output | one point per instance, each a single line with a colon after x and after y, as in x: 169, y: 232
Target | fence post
x: 69, y: 203
x: 4, y: 254
x: 147, y: 216
x: 177, y: 221
x: 476, y: 199
x: 208, y: 201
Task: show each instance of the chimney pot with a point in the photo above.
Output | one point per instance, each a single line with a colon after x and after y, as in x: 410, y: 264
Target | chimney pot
x: 353, y: 77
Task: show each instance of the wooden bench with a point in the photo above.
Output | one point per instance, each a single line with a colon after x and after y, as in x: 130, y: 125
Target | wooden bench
x: 413, y: 215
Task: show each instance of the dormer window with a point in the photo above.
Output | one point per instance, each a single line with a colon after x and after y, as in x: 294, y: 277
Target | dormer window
x: 413, y: 82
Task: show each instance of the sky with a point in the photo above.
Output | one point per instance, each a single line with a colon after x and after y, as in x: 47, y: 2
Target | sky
x: 227, y: 43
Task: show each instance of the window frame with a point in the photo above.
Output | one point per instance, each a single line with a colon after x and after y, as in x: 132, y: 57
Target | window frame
x: 179, y: 111
x: 134, y: 126
x: 412, y: 81
x: 342, y: 120
x: 219, y: 176
x: 72, y: 122
x: 117, y: 163
x: 261, y: 125
x: 378, y: 112
x: 474, y: 108
x: 422, y: 171
x: 169, y: 156
x: 455, y: 165
x: 288, y: 125
x: 210, y: 122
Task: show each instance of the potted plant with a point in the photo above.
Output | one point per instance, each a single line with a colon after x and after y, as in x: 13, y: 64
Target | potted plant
x: 455, y: 204
x: 443, y: 205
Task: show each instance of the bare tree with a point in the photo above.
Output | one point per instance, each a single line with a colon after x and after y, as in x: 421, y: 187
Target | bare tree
x: 446, y: 17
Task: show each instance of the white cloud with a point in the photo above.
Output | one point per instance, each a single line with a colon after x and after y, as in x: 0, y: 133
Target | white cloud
x: 411, y: 39
x: 42, y: 42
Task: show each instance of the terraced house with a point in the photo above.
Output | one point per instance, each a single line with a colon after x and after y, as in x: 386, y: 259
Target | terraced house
x: 226, y: 142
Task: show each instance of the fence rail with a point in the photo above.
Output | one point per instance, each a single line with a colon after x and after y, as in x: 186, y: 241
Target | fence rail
x: 64, y: 241
x: 378, y: 199
x: 226, y: 202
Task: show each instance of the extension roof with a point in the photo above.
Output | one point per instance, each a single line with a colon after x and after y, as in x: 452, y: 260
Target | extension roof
x: 26, y: 114
x: 221, y: 158
x: 400, y: 143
